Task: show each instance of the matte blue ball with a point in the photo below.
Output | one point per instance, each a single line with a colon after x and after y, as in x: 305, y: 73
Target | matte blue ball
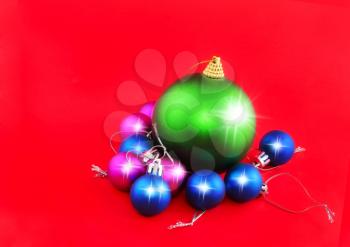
x: 205, y: 189
x: 278, y: 145
x: 136, y: 144
x: 150, y: 195
x: 243, y: 182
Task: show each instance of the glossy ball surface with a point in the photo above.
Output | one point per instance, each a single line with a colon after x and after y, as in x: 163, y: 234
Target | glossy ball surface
x: 205, y: 189
x: 124, y: 169
x: 174, y: 174
x: 150, y: 195
x: 208, y: 123
x: 136, y: 144
x: 148, y: 109
x: 243, y: 182
x: 136, y: 123
x: 278, y: 145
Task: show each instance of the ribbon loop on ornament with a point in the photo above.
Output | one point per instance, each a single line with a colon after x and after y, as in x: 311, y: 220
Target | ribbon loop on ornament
x: 330, y: 213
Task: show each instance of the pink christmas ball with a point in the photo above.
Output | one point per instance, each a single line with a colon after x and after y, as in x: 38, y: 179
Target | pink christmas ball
x: 124, y: 169
x: 173, y: 173
x: 136, y: 123
x: 148, y: 109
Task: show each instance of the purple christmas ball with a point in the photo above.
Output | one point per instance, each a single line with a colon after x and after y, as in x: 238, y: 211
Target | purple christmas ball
x: 148, y: 108
x: 124, y: 169
x: 136, y: 123
x: 174, y: 173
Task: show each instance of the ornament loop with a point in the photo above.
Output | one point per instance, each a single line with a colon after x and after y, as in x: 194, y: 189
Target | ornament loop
x: 179, y: 224
x: 99, y: 172
x: 118, y: 132
x: 330, y: 213
x: 161, y: 143
x: 299, y: 149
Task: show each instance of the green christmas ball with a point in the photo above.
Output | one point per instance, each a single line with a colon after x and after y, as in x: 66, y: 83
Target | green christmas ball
x: 205, y: 120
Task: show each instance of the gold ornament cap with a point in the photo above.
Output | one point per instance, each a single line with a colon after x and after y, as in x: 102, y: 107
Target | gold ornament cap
x: 214, y: 69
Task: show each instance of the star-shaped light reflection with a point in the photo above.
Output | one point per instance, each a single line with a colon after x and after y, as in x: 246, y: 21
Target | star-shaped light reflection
x: 127, y: 168
x: 155, y: 191
x: 276, y: 146
x: 203, y: 188
x: 177, y: 173
x: 242, y: 180
x: 138, y: 126
x: 234, y: 113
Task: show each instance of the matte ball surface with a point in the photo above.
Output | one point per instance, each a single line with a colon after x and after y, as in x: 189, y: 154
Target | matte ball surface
x: 205, y: 189
x: 124, y: 169
x: 208, y: 123
x: 136, y: 144
x: 243, y: 182
x: 278, y: 145
x: 150, y: 195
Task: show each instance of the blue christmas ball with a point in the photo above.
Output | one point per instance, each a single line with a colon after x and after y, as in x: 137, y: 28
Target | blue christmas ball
x: 150, y: 195
x: 243, y: 182
x: 205, y: 189
x: 136, y: 144
x: 278, y: 145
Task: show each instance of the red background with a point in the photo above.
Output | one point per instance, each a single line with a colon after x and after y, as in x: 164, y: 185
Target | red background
x: 61, y: 63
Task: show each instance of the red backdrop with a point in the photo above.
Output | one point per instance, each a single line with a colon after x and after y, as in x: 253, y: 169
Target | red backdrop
x: 61, y: 65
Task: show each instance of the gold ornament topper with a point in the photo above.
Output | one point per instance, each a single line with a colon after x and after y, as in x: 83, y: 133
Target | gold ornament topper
x: 214, y: 69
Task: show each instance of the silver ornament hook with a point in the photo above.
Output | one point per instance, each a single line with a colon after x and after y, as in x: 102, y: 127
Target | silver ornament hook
x: 180, y: 224
x: 98, y: 171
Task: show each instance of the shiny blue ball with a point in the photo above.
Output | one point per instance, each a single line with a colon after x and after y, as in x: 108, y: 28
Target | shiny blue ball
x: 278, y: 145
x: 243, y: 182
x: 205, y: 189
x: 150, y: 195
x: 136, y: 144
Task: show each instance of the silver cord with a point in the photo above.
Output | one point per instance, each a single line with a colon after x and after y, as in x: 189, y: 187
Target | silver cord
x: 299, y: 149
x: 330, y: 213
x: 161, y: 143
x: 179, y: 224
x: 99, y: 172
x: 118, y: 132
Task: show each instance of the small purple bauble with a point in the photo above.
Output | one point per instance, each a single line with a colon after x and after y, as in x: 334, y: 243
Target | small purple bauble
x: 148, y: 108
x: 124, y: 169
x: 173, y: 174
x: 136, y: 123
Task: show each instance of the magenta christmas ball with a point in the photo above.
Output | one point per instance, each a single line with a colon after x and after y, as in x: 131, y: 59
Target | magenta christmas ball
x: 148, y: 109
x: 174, y: 173
x: 124, y: 169
x: 136, y: 123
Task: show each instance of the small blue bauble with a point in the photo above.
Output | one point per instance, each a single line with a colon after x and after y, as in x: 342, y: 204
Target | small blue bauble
x: 243, y: 182
x: 136, y: 144
x: 150, y: 195
x: 205, y: 189
x: 278, y: 145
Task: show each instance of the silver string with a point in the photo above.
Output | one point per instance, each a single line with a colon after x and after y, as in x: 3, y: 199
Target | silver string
x: 296, y: 150
x: 179, y: 224
x: 99, y: 172
x: 161, y: 143
x: 265, y: 169
x: 299, y: 149
x: 330, y: 213
x: 118, y: 132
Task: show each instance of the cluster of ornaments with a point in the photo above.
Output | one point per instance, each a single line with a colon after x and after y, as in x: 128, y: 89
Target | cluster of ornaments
x: 204, y: 112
